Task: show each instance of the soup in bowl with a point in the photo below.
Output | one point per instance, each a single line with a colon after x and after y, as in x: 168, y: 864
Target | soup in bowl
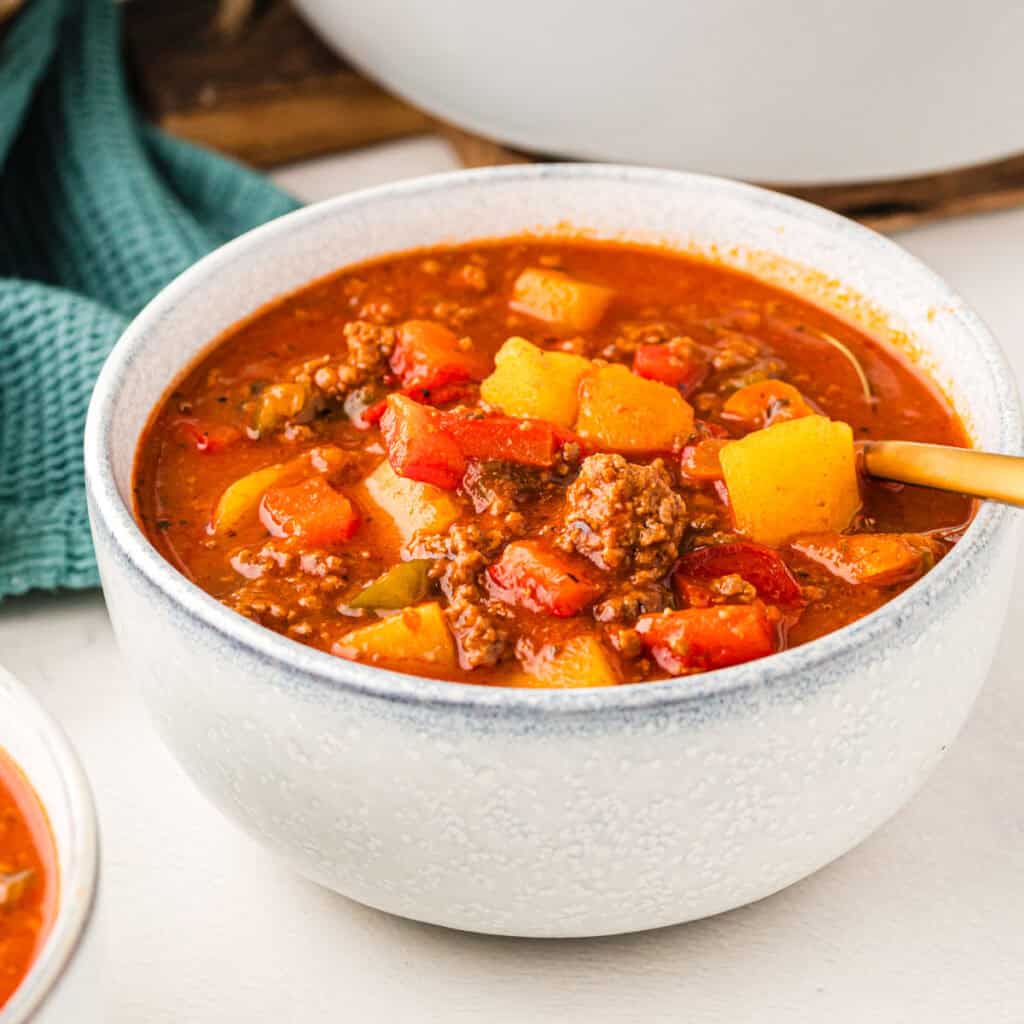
x: 584, y: 436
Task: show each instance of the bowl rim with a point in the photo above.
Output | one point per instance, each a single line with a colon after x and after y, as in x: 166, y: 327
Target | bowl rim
x: 322, y: 669
x: 78, y: 878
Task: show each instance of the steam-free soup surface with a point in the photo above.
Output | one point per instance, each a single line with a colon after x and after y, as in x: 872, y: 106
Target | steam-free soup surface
x: 544, y: 464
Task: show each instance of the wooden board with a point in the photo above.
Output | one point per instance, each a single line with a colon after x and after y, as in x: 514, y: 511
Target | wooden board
x: 253, y: 81
x: 249, y: 78
x: 891, y: 205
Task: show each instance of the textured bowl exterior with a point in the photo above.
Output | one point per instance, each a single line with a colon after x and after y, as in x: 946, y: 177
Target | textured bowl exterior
x: 64, y: 982
x: 571, y: 812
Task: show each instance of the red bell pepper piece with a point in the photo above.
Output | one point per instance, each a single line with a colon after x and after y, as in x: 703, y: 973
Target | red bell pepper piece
x: 313, y: 510
x: 758, y: 565
x: 418, y: 446
x: 503, y: 438
x: 427, y: 355
x: 662, y: 363
x: 530, y: 575
x: 426, y: 396
x: 699, y: 639
x: 206, y: 437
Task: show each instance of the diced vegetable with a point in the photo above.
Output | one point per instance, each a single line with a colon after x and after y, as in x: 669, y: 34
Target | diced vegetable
x: 427, y: 355
x: 402, y: 585
x: 700, y: 462
x: 503, y: 438
x: 707, y: 638
x: 527, y: 381
x: 313, y: 510
x: 672, y: 365
x: 531, y: 575
x: 209, y: 438
x: 14, y: 886
x: 792, y: 478
x: 625, y: 413
x: 279, y: 403
x: 765, y: 403
x: 560, y: 300
x: 418, y: 447
x: 241, y: 499
x: 416, y: 509
x: 578, y: 663
x: 371, y: 414
x: 876, y: 558
x: 412, y: 638
x: 760, y: 566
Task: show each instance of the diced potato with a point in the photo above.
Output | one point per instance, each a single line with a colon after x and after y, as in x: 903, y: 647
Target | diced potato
x: 795, y: 477
x: 241, y: 499
x: 529, y: 382
x: 627, y: 413
x: 559, y: 299
x: 875, y: 558
x: 416, y: 508
x: 415, y: 637
x: 578, y: 663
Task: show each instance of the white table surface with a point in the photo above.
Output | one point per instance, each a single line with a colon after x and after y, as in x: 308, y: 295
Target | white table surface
x: 922, y: 923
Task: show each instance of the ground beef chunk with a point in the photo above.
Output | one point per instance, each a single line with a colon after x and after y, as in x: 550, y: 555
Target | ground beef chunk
x: 368, y: 348
x: 478, y: 622
x: 315, y: 580
x: 632, y: 599
x: 623, y: 516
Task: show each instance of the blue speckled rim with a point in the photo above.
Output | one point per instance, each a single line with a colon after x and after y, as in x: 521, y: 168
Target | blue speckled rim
x: 322, y: 669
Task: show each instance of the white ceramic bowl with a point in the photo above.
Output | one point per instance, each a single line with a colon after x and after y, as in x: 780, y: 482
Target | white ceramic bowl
x: 571, y: 812
x: 773, y: 92
x: 63, y: 983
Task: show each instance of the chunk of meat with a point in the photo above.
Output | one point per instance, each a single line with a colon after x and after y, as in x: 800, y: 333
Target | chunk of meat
x: 622, y: 515
x: 368, y: 347
x: 478, y: 622
x: 628, y: 601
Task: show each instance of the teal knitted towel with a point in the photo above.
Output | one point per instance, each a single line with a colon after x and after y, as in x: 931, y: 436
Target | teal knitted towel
x: 97, y: 212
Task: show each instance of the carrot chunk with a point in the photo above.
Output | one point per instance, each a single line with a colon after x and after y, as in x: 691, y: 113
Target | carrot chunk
x: 876, y: 558
x: 707, y: 638
x: 428, y: 355
x: 699, y: 463
x: 312, y: 510
x: 765, y: 403
x: 530, y: 575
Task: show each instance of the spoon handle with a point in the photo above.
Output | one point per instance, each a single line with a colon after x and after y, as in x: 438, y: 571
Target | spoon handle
x: 964, y: 470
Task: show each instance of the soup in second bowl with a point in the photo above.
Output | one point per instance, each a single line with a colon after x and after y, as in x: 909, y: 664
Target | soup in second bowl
x: 28, y: 887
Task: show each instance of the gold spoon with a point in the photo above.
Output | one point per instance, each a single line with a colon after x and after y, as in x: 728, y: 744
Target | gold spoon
x: 963, y: 470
